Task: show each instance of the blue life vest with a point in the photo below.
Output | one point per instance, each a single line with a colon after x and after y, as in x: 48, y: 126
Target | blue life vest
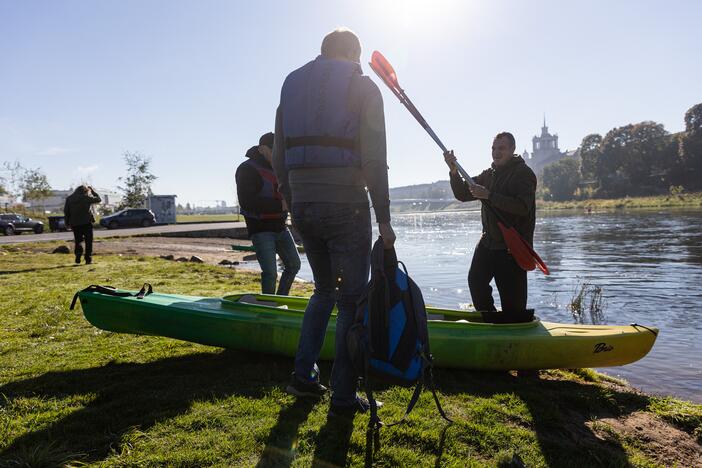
x: 269, y: 189
x: 320, y: 130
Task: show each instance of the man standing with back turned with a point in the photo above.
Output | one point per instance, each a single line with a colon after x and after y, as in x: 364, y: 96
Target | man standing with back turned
x: 329, y: 146
x: 509, y: 186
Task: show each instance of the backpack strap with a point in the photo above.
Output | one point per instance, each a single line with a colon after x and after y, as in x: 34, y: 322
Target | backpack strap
x: 429, y: 370
x: 145, y: 290
x: 410, y: 406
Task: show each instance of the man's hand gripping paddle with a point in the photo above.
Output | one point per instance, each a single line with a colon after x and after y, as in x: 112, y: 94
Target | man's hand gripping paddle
x: 520, y: 249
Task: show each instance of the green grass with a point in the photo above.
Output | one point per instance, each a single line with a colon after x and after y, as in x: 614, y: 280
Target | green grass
x: 71, y: 394
x: 205, y: 218
x: 683, y: 200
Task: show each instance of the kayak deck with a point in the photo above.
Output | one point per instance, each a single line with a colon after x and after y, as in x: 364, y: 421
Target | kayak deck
x: 458, y: 339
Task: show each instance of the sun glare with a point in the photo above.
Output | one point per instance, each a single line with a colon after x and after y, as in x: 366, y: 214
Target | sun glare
x: 422, y: 15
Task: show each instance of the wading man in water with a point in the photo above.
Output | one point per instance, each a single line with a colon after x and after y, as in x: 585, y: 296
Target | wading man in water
x: 509, y: 186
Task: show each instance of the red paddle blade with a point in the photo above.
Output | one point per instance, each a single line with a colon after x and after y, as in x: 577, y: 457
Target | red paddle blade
x: 382, y: 67
x: 521, y: 251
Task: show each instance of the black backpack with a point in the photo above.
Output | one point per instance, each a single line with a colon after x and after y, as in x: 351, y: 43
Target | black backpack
x: 389, y: 341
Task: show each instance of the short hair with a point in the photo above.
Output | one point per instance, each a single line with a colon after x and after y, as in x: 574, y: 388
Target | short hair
x: 341, y: 43
x: 81, y: 190
x: 266, y: 140
x: 509, y: 137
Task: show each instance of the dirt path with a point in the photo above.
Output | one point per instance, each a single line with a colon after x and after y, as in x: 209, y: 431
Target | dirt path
x: 210, y: 250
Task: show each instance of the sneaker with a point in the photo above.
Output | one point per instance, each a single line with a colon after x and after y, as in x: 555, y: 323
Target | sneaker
x: 348, y: 411
x: 312, y: 389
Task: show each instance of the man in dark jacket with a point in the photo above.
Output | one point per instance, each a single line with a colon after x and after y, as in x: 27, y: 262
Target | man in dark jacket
x: 509, y: 186
x: 329, y: 147
x: 79, y: 217
x: 265, y: 212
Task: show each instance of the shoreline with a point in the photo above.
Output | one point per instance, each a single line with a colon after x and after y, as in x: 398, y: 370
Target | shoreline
x: 681, y: 201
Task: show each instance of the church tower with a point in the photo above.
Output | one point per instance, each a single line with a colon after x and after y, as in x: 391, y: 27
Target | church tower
x: 545, y: 147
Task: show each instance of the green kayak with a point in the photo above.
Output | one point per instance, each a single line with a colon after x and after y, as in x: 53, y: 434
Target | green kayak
x: 458, y: 339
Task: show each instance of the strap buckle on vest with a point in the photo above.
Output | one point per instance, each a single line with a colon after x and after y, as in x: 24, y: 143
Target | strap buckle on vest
x: 320, y: 140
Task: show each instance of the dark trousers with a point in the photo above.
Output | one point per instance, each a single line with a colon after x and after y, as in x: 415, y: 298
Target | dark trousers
x: 511, y: 281
x: 337, y: 241
x: 83, y: 233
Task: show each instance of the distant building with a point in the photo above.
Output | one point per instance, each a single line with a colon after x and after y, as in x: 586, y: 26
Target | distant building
x: 54, y: 203
x: 545, y: 151
x: 6, y: 201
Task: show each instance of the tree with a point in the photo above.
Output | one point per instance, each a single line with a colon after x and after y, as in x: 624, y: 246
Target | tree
x: 635, y: 159
x: 137, y: 182
x: 647, y: 159
x: 690, y: 149
x: 12, y: 182
x: 590, y: 152
x: 34, y: 185
x: 562, y: 178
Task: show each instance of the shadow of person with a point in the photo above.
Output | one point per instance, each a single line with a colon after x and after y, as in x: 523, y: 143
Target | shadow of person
x: 124, y: 396
x: 332, y: 443
x: 31, y: 270
x: 373, y: 444
x: 281, y: 444
x: 560, y: 412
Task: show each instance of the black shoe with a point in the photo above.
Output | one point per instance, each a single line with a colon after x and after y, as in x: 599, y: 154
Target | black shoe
x: 348, y: 411
x: 77, y: 258
x: 88, y: 260
x: 302, y: 389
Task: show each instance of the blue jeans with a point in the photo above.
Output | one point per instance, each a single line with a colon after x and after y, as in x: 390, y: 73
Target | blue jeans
x: 337, y: 241
x: 266, y: 245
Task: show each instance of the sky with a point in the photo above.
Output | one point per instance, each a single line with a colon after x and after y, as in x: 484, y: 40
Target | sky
x: 193, y: 84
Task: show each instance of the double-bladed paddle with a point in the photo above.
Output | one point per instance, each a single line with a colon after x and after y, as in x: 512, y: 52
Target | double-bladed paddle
x: 520, y: 249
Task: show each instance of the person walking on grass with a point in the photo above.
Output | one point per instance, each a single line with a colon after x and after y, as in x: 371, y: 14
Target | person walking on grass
x: 509, y: 186
x: 265, y: 213
x: 329, y: 146
x: 79, y: 216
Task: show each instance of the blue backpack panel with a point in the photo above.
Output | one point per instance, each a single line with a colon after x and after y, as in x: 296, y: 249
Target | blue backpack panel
x: 389, y: 340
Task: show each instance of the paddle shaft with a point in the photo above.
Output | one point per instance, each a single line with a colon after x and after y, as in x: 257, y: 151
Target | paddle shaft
x: 405, y: 100
x: 385, y: 72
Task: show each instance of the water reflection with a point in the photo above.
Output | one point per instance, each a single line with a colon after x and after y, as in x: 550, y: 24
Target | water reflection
x: 649, y: 264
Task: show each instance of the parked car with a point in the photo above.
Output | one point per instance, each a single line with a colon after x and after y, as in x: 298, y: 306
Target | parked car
x: 129, y: 217
x: 13, y: 223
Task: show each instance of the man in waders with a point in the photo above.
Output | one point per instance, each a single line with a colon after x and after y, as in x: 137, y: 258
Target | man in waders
x: 265, y: 212
x: 509, y: 186
x: 330, y: 146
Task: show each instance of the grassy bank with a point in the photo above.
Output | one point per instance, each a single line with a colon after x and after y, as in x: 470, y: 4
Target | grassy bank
x: 685, y: 200
x: 71, y: 394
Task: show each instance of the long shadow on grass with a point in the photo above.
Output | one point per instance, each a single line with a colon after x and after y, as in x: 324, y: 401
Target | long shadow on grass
x: 32, y: 270
x: 332, y: 443
x: 559, y: 409
x: 282, y: 440
x: 134, y: 395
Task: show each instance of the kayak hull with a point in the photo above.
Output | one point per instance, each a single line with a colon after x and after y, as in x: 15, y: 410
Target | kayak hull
x: 458, y: 339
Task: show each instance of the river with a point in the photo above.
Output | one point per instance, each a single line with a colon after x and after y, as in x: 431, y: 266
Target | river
x: 647, y: 262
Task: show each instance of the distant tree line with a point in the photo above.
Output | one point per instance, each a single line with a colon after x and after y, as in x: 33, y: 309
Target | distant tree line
x: 636, y: 159
x: 20, y: 182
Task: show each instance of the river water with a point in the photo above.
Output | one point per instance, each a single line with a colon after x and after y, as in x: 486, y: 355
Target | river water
x: 648, y: 264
